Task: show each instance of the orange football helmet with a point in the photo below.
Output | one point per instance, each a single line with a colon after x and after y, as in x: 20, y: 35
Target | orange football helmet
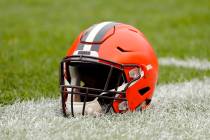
x: 110, y: 67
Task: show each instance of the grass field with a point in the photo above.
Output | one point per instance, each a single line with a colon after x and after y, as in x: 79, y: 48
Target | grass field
x: 35, y: 34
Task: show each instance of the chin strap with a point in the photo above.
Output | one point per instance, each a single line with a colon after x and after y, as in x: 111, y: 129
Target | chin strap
x: 91, y: 108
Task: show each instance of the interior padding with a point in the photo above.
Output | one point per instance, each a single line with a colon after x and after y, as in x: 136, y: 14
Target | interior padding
x: 95, y: 76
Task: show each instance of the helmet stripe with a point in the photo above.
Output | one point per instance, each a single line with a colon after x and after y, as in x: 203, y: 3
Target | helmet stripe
x: 91, y: 32
x: 100, y: 35
x: 94, y: 34
x: 103, y: 31
x: 80, y: 46
x: 87, y: 32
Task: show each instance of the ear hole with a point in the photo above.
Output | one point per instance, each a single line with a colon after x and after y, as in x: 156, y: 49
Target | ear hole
x: 144, y: 90
x: 122, y: 50
x: 148, y: 101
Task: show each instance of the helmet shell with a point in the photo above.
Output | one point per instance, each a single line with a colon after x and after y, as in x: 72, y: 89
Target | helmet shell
x: 122, y: 44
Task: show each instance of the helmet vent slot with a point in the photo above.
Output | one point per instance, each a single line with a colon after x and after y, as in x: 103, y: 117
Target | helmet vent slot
x: 148, y: 101
x: 122, y: 50
x: 144, y: 90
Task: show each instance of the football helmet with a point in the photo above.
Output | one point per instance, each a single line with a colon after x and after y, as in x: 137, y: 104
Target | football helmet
x: 110, y: 67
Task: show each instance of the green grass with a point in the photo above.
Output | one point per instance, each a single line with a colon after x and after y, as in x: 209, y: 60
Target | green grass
x: 180, y: 111
x: 171, y: 74
x: 35, y: 35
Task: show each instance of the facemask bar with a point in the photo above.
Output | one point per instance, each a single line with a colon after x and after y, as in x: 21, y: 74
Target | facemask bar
x: 72, y: 91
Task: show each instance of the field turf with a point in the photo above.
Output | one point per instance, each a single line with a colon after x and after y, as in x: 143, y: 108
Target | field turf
x: 35, y: 35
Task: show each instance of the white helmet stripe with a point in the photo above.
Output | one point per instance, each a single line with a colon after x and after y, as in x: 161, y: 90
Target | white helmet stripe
x: 92, y: 35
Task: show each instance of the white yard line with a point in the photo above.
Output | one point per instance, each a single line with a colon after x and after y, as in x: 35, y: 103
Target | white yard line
x: 187, y: 63
x: 180, y: 111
